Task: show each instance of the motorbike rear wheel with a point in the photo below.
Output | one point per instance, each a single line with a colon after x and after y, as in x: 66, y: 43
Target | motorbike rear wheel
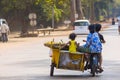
x: 94, y: 64
x: 93, y: 70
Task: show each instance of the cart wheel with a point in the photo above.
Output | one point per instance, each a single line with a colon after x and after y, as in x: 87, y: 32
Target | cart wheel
x: 52, y: 69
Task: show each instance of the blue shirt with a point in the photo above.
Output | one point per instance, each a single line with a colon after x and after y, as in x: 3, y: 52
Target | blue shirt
x: 94, y: 43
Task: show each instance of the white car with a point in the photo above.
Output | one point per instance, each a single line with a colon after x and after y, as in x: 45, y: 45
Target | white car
x: 81, y: 26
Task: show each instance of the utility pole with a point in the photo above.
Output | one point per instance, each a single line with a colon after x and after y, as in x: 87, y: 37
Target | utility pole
x: 53, y: 16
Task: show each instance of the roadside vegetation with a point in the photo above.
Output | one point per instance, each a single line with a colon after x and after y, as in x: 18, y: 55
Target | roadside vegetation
x: 16, y: 11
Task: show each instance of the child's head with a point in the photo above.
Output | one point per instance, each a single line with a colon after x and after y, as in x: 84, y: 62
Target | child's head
x: 97, y: 27
x: 91, y: 28
x: 72, y: 36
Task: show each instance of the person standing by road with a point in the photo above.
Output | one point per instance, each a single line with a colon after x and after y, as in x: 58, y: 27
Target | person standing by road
x: 4, y: 32
x: 118, y: 26
x: 113, y: 21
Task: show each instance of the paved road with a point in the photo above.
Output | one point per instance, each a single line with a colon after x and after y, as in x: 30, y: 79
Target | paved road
x: 28, y: 59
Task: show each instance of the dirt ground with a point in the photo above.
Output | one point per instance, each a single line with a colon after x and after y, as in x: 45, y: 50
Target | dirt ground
x: 14, y: 37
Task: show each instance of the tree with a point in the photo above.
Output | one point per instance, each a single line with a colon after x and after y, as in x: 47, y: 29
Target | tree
x: 16, y: 11
x: 20, y: 10
x: 79, y: 9
x: 96, y: 8
x: 72, y: 8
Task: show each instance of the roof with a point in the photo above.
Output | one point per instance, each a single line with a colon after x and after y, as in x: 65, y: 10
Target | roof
x: 81, y: 20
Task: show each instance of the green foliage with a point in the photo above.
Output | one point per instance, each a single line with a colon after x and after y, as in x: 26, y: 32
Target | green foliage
x: 101, y: 7
x: 58, y: 5
x: 117, y: 2
x: 19, y: 9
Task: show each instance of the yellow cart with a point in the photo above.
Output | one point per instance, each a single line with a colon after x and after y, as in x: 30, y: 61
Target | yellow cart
x: 63, y: 59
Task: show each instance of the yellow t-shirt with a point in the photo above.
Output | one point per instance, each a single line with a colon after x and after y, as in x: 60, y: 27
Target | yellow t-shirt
x: 72, y: 46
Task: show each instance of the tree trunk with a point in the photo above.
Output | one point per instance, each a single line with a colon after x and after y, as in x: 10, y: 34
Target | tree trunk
x: 92, y: 16
x: 25, y: 21
x: 79, y: 9
x: 72, y: 7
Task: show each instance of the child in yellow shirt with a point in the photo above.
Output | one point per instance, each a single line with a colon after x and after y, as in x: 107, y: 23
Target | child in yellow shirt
x: 72, y: 43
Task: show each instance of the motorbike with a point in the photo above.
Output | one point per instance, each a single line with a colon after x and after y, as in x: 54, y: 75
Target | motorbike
x: 92, y: 63
x: 63, y: 59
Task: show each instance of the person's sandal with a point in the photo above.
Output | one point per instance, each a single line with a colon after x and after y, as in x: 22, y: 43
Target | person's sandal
x: 100, y: 70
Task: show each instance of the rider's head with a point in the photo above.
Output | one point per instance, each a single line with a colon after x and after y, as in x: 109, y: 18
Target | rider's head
x: 97, y: 27
x: 91, y: 28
